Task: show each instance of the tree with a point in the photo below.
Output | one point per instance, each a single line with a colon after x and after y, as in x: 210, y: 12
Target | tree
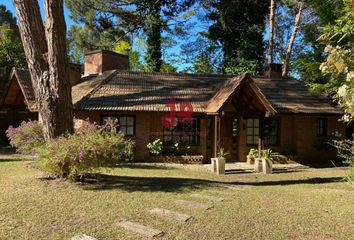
x: 238, y: 26
x: 11, y: 53
x: 292, y: 39
x: 11, y: 50
x: 202, y: 64
x: 45, y: 50
x: 147, y: 17
x: 271, y: 32
x: 310, y: 53
x: 339, y: 64
x: 6, y: 16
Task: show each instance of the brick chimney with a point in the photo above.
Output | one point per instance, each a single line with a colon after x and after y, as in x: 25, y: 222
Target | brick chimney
x: 274, y: 70
x: 75, y: 73
x: 99, y: 61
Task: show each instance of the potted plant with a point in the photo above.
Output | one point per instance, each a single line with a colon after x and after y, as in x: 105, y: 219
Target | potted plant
x: 267, y: 164
x: 252, y: 154
x: 218, y: 163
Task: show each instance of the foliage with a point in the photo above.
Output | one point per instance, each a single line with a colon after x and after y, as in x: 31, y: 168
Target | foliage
x: 143, y: 17
x: 238, y: 26
x: 6, y: 16
x: 155, y: 147
x: 339, y: 64
x: 89, y: 148
x: 345, y: 150
x: 269, y: 154
x: 309, y: 55
x: 222, y: 153
x: 253, y: 153
x: 202, y: 64
x: 27, y: 137
x: 11, y: 53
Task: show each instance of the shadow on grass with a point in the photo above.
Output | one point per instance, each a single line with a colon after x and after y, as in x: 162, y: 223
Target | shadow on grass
x: 100, y: 182
x: 6, y: 160
x: 147, y: 166
x: 148, y: 184
x: 293, y: 182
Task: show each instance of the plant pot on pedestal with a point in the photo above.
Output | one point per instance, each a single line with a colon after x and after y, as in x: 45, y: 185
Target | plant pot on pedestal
x: 267, y: 166
x: 258, y: 165
x: 250, y: 159
x: 218, y: 165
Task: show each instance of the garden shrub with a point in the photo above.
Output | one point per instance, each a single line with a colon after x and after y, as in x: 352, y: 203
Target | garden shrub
x: 155, y: 147
x: 345, y: 150
x: 27, y: 137
x: 89, y: 148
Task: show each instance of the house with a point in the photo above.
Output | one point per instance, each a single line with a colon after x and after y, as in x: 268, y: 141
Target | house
x: 206, y: 112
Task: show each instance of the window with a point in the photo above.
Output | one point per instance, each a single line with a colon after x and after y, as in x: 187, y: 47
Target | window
x: 125, y: 124
x: 321, y: 127
x: 271, y: 129
x: 185, y: 133
x: 252, y: 131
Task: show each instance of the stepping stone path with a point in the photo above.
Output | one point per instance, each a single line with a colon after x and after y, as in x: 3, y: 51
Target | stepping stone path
x: 194, y: 204
x: 170, y: 214
x: 238, y: 187
x: 83, y: 237
x: 208, y: 197
x: 141, y: 229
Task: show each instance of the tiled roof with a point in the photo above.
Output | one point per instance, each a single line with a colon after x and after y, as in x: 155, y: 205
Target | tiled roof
x: 136, y: 91
x: 292, y: 96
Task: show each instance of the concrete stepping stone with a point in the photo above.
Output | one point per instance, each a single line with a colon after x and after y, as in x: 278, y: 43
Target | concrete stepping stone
x: 208, y: 197
x: 193, y: 204
x: 238, y: 187
x: 141, y: 229
x: 83, y: 237
x: 171, y: 214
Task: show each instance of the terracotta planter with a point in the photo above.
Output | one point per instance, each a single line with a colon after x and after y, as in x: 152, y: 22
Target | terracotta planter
x: 250, y: 159
x: 267, y: 166
x: 258, y: 165
x: 218, y: 165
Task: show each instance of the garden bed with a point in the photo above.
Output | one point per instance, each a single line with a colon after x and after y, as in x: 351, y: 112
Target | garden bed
x: 194, y: 159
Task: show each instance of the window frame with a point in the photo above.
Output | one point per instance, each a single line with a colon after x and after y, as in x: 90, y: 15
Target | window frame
x: 195, y: 135
x: 118, y: 116
x: 277, y: 142
x: 324, y: 127
x: 259, y: 127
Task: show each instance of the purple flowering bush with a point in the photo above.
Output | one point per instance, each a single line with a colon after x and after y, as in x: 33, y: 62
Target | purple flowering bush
x: 89, y: 148
x: 27, y: 137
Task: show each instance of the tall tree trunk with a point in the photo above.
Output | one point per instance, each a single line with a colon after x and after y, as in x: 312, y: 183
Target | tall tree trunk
x: 50, y: 81
x: 292, y: 39
x: 61, y: 114
x: 153, y: 28
x: 271, y: 32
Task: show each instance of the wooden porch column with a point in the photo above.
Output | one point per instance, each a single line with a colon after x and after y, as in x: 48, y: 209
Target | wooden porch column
x: 261, y: 136
x: 215, y: 134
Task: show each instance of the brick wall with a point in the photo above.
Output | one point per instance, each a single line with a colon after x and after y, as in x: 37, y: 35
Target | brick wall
x: 148, y: 126
x: 298, y: 134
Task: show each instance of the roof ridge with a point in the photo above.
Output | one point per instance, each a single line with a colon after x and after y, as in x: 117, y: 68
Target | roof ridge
x: 177, y: 74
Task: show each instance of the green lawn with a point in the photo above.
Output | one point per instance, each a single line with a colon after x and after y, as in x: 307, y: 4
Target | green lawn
x: 299, y: 204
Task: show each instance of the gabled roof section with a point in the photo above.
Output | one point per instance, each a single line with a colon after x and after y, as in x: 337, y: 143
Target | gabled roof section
x: 23, y: 79
x: 292, y: 96
x: 231, y: 86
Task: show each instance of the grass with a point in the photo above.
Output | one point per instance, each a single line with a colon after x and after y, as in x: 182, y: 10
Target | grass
x: 303, y: 203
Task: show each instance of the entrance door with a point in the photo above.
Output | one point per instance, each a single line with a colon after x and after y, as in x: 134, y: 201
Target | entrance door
x: 234, y: 139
